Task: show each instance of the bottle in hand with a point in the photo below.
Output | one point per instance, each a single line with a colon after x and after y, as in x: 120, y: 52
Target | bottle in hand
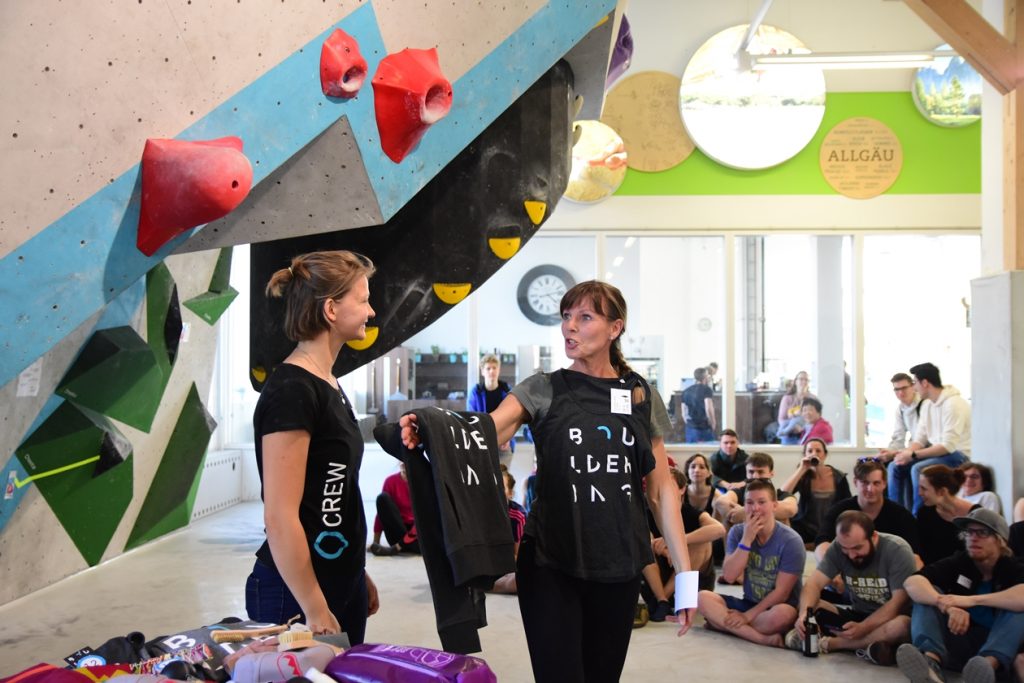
x: 810, y: 635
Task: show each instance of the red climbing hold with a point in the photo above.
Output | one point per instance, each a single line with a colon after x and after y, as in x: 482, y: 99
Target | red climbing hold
x: 342, y: 67
x: 189, y: 183
x: 409, y: 94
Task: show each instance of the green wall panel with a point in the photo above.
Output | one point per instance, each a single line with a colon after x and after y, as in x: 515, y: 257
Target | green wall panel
x: 116, y: 374
x: 936, y: 160
x: 211, y: 304
x: 163, y: 316
x: 168, y: 503
x: 88, y: 498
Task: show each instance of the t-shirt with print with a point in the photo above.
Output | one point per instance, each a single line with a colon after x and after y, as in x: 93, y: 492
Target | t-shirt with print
x: 331, y: 508
x: 871, y: 586
x: 783, y: 552
x: 592, y: 440
x: 535, y: 392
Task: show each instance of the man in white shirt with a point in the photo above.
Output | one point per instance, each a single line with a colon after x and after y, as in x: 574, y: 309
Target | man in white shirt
x: 906, y: 413
x: 943, y: 435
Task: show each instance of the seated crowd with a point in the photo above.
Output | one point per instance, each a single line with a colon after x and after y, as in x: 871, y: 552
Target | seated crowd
x: 915, y: 567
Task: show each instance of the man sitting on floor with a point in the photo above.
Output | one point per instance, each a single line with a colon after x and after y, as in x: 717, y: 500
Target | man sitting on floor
x: 771, y: 558
x: 968, y: 608
x: 874, y: 567
x: 729, y: 506
x: 869, y: 480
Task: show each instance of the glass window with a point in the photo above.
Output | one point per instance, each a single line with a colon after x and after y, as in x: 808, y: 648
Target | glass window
x: 917, y: 291
x: 675, y: 291
x: 794, y: 325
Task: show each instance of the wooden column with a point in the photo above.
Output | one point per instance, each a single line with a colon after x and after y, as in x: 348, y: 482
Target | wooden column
x: 1000, y: 60
x: 1013, y: 146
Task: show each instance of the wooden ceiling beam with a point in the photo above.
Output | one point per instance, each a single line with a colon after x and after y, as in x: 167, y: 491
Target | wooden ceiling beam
x: 974, y: 39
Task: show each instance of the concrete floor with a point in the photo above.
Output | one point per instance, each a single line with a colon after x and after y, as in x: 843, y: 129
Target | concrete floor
x: 196, y: 576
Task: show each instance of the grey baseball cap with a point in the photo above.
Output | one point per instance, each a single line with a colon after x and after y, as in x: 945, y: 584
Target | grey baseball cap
x: 985, y: 517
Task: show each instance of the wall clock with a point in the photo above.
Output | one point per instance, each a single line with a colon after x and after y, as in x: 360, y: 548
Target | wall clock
x: 541, y: 290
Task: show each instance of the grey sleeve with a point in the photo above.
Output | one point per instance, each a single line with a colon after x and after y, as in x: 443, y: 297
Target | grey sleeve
x: 902, y: 562
x: 829, y: 565
x: 534, y: 393
x: 660, y: 424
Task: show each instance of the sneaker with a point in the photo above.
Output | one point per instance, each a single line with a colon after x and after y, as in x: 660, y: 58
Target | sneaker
x: 794, y: 641
x: 383, y: 550
x: 878, y: 652
x: 917, y: 666
x: 979, y: 670
x: 661, y: 610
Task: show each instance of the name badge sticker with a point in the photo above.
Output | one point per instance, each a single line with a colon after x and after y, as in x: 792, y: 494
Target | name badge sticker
x: 964, y: 581
x: 621, y: 402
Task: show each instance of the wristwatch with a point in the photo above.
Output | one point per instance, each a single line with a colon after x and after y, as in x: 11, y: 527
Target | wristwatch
x: 913, y: 455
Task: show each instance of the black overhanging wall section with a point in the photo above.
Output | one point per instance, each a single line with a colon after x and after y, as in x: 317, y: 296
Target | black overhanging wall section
x: 441, y: 235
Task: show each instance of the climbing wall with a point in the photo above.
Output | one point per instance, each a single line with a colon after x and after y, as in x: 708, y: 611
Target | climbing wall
x: 107, y: 338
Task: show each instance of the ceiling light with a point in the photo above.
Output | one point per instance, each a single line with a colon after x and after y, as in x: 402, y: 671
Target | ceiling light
x: 851, y: 60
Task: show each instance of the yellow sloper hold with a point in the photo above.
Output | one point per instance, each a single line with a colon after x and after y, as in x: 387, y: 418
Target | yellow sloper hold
x: 367, y: 341
x: 452, y: 292
x: 504, y: 248
x: 535, y: 210
x: 259, y: 374
x: 603, y: 20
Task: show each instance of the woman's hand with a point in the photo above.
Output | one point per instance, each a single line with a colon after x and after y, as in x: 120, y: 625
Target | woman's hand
x: 373, y: 598
x: 685, y: 617
x: 323, y: 623
x: 410, y: 431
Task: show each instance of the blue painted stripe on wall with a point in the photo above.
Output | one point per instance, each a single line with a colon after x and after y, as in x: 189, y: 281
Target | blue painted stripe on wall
x: 74, y: 267
x: 479, y: 97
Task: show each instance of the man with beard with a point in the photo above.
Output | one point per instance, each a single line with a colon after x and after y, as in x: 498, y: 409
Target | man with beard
x: 869, y: 475
x: 968, y: 608
x: 873, y: 568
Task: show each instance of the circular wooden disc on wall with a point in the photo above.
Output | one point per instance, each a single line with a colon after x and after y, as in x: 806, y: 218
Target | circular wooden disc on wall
x: 644, y: 110
x: 861, y: 157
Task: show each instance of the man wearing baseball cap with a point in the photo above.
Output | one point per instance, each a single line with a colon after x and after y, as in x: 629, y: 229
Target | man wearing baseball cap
x: 968, y: 608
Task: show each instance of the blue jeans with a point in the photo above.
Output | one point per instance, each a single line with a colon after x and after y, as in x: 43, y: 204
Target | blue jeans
x: 903, y: 478
x: 699, y: 435
x: 929, y: 633
x: 268, y: 600
x: 791, y: 431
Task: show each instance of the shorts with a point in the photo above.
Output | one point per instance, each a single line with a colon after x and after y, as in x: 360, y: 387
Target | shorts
x: 738, y: 604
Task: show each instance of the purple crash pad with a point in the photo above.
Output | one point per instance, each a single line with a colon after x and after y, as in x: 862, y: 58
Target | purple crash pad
x: 402, y: 664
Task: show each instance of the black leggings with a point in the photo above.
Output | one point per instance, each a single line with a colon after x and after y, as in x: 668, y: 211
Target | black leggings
x: 392, y: 524
x: 577, y: 630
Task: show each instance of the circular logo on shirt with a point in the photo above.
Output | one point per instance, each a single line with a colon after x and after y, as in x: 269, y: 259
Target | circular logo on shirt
x: 330, y: 544
x: 91, y: 660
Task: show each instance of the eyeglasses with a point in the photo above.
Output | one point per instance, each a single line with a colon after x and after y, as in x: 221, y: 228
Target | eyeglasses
x: 903, y: 388
x: 977, y: 532
x: 868, y: 458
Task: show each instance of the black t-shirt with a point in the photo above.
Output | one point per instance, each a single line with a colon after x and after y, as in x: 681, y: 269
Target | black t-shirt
x: 492, y: 398
x: 939, y: 538
x: 893, y: 519
x: 590, y: 516
x: 694, y: 397
x: 958, y: 575
x: 1017, y: 539
x: 331, y: 509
